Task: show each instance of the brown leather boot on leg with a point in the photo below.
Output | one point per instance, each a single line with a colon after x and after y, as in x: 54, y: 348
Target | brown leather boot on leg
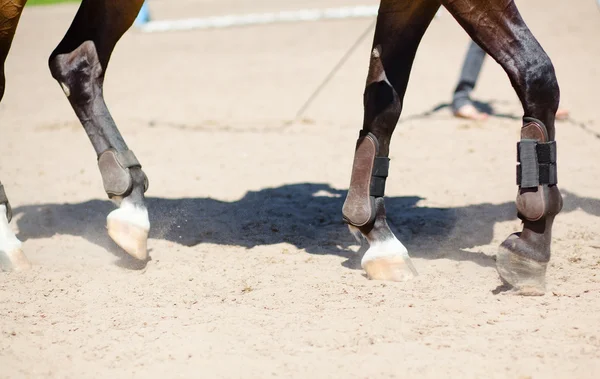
x: 523, y: 257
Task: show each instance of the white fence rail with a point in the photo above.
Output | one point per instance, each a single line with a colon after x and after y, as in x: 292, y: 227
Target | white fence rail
x: 260, y: 19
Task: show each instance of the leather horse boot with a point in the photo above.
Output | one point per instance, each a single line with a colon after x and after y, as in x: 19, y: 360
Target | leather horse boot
x: 523, y: 257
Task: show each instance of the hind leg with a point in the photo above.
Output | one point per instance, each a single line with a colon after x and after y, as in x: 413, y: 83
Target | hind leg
x: 400, y: 27
x: 499, y: 29
x: 79, y: 64
x: 11, y: 256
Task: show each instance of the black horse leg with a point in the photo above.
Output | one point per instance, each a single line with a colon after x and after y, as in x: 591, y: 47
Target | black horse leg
x: 499, y: 29
x: 11, y: 255
x: 79, y: 64
x: 400, y: 27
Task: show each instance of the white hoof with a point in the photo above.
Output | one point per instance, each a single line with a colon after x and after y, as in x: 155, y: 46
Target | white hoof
x: 128, y: 226
x: 388, y: 260
x: 11, y: 255
x: 13, y: 260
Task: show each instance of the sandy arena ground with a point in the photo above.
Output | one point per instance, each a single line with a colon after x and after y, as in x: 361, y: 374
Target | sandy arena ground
x: 252, y: 271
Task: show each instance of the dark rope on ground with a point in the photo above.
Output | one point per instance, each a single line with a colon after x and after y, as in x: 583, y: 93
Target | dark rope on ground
x: 583, y: 126
x: 334, y: 71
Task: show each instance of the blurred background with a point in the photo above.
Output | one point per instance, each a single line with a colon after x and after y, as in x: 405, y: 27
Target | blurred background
x: 260, y: 62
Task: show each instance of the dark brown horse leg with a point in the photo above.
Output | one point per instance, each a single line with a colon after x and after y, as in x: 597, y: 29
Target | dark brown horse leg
x: 400, y: 27
x: 79, y: 64
x: 11, y: 255
x: 499, y: 29
x: 10, y: 13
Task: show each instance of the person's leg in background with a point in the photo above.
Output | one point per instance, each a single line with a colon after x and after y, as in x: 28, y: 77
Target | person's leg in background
x: 462, y: 105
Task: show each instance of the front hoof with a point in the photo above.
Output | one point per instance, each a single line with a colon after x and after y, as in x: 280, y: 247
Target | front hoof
x: 393, y: 269
x: 129, y: 227
x: 13, y: 260
x: 526, y: 276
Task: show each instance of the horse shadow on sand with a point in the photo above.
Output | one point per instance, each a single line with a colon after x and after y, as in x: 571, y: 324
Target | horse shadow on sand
x: 306, y: 215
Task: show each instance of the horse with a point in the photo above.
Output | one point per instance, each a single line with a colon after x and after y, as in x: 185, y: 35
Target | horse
x: 79, y: 65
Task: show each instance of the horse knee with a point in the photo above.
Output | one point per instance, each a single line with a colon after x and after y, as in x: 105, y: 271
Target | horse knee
x: 78, y: 72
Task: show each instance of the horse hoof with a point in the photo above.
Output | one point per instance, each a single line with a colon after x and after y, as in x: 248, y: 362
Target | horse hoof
x: 393, y: 269
x: 526, y: 276
x: 13, y: 260
x: 128, y: 227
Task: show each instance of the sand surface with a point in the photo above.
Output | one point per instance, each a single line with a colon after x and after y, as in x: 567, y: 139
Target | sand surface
x: 252, y: 271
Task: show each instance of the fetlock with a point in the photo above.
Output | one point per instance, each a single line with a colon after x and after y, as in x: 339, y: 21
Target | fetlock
x: 538, y: 195
x: 367, y: 183
x: 121, y: 171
